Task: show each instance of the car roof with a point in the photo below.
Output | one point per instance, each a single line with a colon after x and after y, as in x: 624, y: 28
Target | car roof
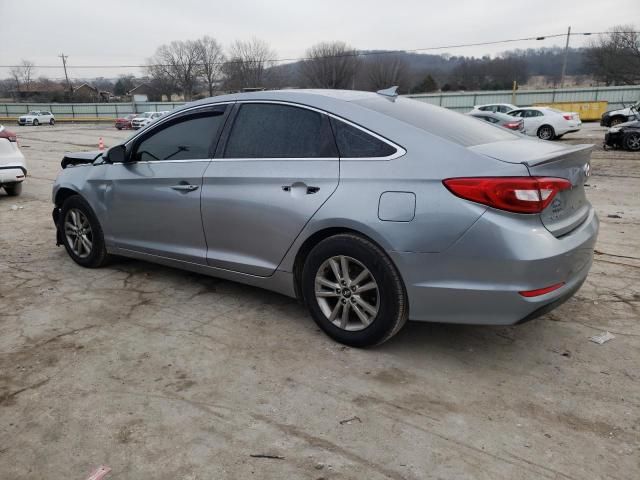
x: 297, y: 95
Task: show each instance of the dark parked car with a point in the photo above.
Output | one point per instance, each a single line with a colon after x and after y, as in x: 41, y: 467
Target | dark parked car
x: 624, y: 135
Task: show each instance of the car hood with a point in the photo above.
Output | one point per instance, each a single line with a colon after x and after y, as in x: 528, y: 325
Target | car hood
x: 79, y: 158
x: 631, y: 124
x: 28, y: 117
x: 619, y: 111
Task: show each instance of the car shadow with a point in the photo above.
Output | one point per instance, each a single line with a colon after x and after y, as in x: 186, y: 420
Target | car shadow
x: 417, y: 340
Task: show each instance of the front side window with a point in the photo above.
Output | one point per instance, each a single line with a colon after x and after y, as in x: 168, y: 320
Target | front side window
x: 183, y: 139
x: 355, y: 143
x: 268, y: 130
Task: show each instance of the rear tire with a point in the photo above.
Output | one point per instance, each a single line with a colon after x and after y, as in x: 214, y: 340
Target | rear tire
x: 631, y: 141
x: 52, y: 122
x: 546, y: 132
x: 372, y: 292
x: 81, y: 233
x: 13, y: 189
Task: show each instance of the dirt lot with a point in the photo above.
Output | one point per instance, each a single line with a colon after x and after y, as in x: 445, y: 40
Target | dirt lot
x: 162, y: 374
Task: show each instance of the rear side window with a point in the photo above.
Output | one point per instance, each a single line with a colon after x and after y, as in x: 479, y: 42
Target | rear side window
x: 185, y: 139
x: 355, y: 143
x: 269, y: 130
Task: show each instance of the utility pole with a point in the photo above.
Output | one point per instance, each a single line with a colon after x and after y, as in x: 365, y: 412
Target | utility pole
x: 64, y: 65
x: 564, y: 62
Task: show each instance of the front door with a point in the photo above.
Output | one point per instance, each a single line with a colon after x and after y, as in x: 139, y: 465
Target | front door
x: 153, y: 200
x: 275, y: 167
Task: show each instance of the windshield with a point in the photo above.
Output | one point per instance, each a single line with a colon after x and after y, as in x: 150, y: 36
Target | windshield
x: 33, y: 112
x: 455, y: 127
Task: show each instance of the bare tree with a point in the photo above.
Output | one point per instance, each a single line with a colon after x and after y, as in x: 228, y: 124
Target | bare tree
x: 211, y: 60
x: 384, y: 71
x: 330, y: 65
x: 247, y: 64
x: 615, y: 57
x: 179, y: 61
x: 161, y: 80
x: 22, y: 75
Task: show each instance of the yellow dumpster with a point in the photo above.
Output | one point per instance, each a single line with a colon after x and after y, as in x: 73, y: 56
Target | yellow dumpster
x: 587, y: 110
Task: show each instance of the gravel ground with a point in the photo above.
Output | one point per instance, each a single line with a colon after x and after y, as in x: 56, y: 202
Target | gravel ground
x: 164, y: 374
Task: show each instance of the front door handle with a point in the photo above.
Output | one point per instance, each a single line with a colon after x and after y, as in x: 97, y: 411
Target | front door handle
x: 185, y: 188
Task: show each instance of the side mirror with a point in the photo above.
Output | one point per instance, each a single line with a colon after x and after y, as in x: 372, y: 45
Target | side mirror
x: 116, y: 154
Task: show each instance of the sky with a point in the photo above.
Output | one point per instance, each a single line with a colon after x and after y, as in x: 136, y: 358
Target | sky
x: 127, y: 32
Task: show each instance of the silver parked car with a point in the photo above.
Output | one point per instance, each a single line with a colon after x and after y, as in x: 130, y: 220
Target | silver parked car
x: 371, y: 209
x: 500, y: 119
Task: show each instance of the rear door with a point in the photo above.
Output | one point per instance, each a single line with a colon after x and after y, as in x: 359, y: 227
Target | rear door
x: 275, y: 166
x: 153, y: 200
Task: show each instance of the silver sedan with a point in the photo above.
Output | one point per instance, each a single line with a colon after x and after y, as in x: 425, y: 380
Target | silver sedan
x: 369, y: 208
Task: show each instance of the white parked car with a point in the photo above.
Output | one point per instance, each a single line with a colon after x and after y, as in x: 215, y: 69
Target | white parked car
x: 146, y: 118
x: 13, y: 168
x: 37, y: 117
x: 494, y: 107
x: 547, y: 123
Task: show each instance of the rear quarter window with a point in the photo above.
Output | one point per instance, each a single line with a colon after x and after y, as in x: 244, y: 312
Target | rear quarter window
x: 455, y: 127
x: 355, y: 143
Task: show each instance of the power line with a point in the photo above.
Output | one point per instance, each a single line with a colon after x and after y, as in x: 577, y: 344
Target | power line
x: 354, y: 53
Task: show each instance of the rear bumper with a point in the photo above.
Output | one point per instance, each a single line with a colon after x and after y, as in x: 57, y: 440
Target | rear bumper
x: 477, y: 280
x: 12, y: 174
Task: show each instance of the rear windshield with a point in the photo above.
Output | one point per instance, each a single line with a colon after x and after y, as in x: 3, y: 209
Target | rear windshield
x: 447, y: 124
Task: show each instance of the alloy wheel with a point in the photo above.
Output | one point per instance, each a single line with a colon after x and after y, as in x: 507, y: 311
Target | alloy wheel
x: 347, y: 293
x: 78, y: 233
x: 633, y: 142
x: 546, y: 133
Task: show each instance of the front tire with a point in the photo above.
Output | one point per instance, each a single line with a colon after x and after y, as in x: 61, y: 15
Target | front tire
x: 631, y: 141
x: 36, y: 123
x: 353, y: 291
x: 81, y: 233
x: 13, y: 189
x: 546, y: 132
x: 616, y: 121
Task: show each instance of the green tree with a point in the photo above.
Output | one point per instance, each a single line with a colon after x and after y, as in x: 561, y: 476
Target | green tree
x: 427, y: 85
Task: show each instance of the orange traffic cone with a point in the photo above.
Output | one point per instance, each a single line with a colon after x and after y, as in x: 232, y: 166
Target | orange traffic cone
x: 101, y: 144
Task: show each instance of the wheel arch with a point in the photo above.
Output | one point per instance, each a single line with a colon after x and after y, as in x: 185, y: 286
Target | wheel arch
x: 62, y: 194
x: 317, y: 237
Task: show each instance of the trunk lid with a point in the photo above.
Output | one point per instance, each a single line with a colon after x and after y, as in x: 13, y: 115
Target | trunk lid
x: 570, y: 208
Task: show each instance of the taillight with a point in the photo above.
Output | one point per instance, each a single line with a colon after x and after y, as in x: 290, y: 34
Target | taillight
x: 541, y: 291
x: 567, y: 116
x: 8, y: 135
x: 513, y: 194
x: 513, y: 125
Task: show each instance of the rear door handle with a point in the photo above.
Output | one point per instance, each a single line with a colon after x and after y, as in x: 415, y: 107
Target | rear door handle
x: 185, y: 188
x: 309, y: 190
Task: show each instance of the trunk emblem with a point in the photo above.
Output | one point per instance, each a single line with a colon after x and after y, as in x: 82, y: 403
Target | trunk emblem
x: 587, y: 170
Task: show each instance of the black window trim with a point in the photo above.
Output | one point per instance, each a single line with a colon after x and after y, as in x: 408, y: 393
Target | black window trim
x: 219, y: 155
x: 165, y: 121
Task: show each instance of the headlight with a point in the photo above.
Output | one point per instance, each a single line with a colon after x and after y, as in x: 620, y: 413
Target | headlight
x: 614, y: 129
